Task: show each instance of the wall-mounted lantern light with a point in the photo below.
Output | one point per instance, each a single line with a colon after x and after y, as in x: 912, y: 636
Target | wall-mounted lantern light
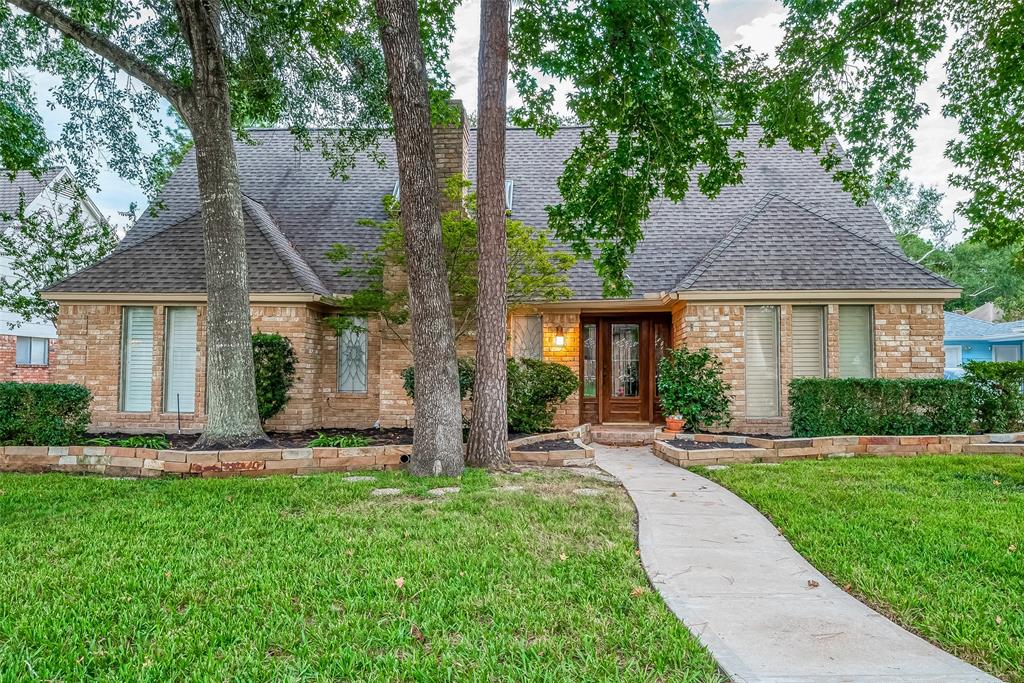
x: 559, y: 337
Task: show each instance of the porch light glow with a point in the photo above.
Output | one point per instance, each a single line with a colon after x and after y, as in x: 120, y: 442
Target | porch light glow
x: 559, y: 337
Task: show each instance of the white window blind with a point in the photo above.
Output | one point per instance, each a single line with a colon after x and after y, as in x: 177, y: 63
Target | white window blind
x: 761, y: 343
x: 32, y: 351
x: 180, y: 361
x: 352, y: 357
x: 856, y: 352
x: 528, y: 336
x: 137, y: 360
x: 954, y: 356
x: 809, y: 356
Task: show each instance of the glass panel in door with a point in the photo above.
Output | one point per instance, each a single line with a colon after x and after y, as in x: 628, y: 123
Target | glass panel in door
x: 589, y: 360
x: 625, y: 368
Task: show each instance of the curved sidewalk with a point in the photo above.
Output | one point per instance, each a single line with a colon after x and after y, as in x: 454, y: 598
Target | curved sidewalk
x: 728, y: 574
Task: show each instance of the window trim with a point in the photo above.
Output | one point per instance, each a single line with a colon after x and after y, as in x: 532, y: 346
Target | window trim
x: 31, y: 363
x: 339, y: 336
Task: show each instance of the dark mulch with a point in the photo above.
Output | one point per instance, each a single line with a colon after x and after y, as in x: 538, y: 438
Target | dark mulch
x: 705, y: 445
x: 763, y: 435
x: 379, y: 437
x: 556, y: 445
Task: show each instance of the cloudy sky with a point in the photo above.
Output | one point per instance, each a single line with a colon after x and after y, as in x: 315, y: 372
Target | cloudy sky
x: 755, y: 23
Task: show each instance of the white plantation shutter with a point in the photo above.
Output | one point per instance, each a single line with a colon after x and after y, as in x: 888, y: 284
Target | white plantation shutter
x: 761, y: 342
x: 180, y: 361
x: 137, y: 360
x: 856, y: 356
x: 808, y: 341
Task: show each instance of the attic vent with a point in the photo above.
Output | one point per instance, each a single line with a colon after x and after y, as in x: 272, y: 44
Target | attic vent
x: 509, y: 190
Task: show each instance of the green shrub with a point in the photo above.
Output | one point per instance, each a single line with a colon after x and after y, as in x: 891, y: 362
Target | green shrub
x: 467, y: 371
x: 339, y: 441
x: 43, y: 414
x: 535, y: 388
x: 274, y: 359
x: 884, y: 407
x: 157, y: 442
x: 999, y: 400
x: 690, y: 386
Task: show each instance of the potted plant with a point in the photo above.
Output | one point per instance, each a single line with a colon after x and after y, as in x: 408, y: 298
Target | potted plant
x: 691, y: 389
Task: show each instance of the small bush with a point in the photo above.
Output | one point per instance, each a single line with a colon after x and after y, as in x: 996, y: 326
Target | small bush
x: 884, y: 407
x: 999, y: 400
x: 339, y: 441
x: 43, y: 414
x: 467, y: 371
x: 690, y: 386
x: 156, y: 442
x: 274, y: 358
x: 535, y: 388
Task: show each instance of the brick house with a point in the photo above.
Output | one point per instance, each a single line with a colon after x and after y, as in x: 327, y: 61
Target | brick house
x: 28, y: 346
x: 782, y: 276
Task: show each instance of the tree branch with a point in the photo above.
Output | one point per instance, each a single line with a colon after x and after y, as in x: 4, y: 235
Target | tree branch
x: 102, y: 46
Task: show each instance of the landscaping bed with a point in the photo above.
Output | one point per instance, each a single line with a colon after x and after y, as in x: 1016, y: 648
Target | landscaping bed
x: 186, y: 442
x: 935, y: 543
x: 552, y: 445
x: 705, y: 445
x: 510, y: 578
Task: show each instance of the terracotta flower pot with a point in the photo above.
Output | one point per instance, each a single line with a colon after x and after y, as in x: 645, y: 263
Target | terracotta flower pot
x: 674, y: 425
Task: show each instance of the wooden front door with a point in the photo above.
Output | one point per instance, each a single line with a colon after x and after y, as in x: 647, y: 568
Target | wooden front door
x: 626, y: 349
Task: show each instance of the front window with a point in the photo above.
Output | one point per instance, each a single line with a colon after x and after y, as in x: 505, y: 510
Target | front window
x: 809, y: 356
x: 856, y: 342
x: 528, y: 336
x: 761, y: 344
x: 137, y: 360
x: 32, y: 351
x: 180, y: 360
x: 352, y: 357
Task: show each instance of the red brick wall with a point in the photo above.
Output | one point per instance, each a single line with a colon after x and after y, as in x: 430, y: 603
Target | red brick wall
x: 10, y: 371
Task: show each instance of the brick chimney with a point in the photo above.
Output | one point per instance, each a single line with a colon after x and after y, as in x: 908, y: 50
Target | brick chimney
x: 451, y: 150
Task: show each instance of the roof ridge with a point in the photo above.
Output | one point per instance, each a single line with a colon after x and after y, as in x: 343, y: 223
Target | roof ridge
x: 117, y: 251
x: 719, y: 248
x: 873, y: 242
x: 285, y: 251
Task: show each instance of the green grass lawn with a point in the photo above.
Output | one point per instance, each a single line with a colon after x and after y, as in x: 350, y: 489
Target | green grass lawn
x: 313, y: 579
x: 936, y: 543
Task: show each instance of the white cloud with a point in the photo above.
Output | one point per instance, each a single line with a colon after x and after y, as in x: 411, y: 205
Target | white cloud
x: 763, y: 34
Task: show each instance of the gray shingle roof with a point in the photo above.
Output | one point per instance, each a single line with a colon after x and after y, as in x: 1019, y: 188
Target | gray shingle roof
x: 23, y: 183
x: 781, y: 244
x: 959, y: 326
x: 803, y: 237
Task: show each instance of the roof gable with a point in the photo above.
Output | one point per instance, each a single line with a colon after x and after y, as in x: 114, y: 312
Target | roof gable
x: 780, y: 244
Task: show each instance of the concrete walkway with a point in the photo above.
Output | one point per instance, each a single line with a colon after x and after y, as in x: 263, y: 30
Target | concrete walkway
x: 728, y: 574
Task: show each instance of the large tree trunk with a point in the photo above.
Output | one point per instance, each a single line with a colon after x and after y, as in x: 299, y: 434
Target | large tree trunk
x: 437, y: 438
x: 232, y: 418
x: 488, y: 437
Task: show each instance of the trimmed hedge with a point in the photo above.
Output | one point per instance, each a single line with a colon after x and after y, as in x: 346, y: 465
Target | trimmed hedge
x: 998, y: 394
x: 43, y: 414
x: 884, y: 407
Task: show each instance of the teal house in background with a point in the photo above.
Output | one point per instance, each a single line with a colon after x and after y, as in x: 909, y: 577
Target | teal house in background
x: 968, y: 338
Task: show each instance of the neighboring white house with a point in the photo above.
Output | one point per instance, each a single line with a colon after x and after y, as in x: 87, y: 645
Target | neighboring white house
x: 26, y: 345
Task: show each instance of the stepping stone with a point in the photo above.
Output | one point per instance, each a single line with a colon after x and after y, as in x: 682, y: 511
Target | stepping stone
x: 718, y: 467
x: 589, y: 492
x: 360, y: 478
x: 510, y: 488
x: 385, y: 492
x: 443, y: 491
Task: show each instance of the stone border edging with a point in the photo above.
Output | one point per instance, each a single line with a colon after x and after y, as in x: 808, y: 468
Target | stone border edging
x: 562, y: 458
x: 116, y: 461
x: 779, y: 450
